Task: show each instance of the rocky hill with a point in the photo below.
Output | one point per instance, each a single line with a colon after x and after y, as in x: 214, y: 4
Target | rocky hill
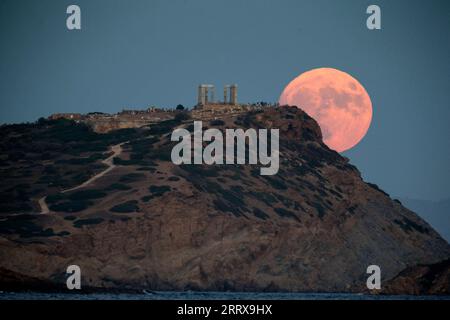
x: 421, y: 280
x: 434, y: 212
x: 147, y: 223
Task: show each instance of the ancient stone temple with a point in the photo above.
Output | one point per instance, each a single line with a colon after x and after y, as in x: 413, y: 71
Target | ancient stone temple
x: 206, y: 95
x: 231, y: 92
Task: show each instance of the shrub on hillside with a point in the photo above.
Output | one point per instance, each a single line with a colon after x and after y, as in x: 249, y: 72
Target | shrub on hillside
x: 126, y: 207
x: 87, y: 194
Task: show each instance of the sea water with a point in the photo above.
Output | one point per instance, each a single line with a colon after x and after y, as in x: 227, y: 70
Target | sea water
x: 191, y: 295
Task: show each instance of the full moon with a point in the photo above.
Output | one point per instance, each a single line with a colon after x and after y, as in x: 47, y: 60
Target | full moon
x: 336, y: 100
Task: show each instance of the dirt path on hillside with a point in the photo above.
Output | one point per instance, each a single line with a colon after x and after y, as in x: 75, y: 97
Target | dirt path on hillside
x: 116, y: 149
x: 43, y: 205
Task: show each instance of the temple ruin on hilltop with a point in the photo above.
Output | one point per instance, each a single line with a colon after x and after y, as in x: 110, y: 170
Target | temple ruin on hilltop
x: 207, y: 108
x: 206, y: 95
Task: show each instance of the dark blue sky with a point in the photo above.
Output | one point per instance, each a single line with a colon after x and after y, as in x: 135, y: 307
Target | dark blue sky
x: 132, y: 54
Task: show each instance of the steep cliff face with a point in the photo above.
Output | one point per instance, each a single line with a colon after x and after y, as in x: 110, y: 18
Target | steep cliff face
x: 314, y: 226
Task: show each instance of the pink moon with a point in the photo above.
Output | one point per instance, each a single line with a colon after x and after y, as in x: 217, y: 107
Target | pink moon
x: 336, y: 100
